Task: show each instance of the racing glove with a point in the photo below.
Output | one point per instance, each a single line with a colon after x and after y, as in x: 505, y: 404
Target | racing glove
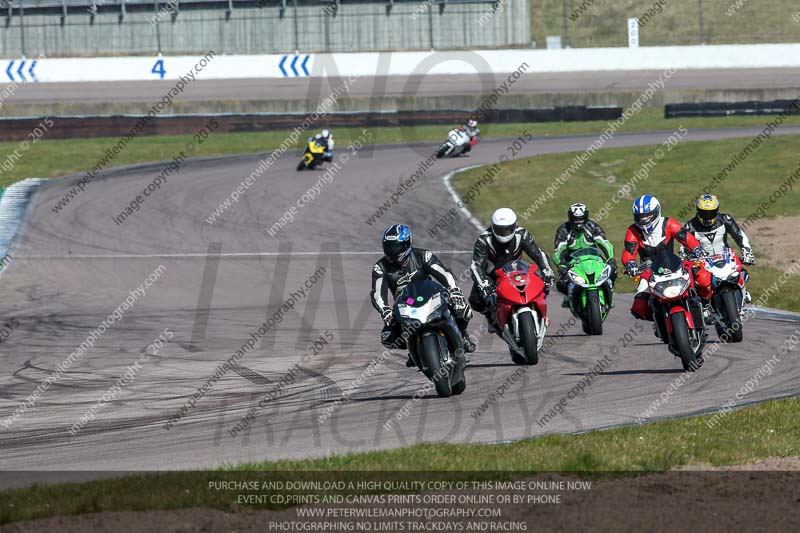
x: 748, y: 257
x: 631, y: 269
x: 457, y: 300
x: 486, y: 290
x: 548, y: 280
x: 613, y: 264
x: 386, y: 315
x: 699, y: 252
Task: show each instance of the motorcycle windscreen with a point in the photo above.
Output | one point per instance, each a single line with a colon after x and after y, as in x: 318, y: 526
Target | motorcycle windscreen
x: 666, y: 263
x: 586, y: 253
x: 721, y: 260
x: 517, y: 283
x: 421, y: 300
x: 521, y: 268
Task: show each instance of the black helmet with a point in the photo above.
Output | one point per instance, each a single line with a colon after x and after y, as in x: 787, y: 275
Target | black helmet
x: 396, y: 242
x: 578, y: 215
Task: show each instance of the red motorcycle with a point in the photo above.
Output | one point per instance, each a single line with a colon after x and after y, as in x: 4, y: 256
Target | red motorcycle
x: 520, y: 310
x: 677, y: 309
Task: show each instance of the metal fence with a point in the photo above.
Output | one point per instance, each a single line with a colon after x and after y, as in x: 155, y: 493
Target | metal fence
x: 124, y: 27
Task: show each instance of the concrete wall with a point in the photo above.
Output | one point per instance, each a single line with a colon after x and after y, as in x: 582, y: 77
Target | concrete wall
x: 254, y: 30
x: 208, y: 66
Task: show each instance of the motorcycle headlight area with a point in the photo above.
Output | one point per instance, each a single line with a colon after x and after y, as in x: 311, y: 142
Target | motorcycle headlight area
x: 575, y: 278
x: 604, y: 275
x: 423, y: 312
x: 671, y: 288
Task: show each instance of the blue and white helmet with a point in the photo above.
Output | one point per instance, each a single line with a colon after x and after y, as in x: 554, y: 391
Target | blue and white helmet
x: 396, y: 240
x: 647, y: 213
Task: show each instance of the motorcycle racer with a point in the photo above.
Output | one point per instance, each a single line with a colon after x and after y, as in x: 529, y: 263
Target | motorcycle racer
x: 649, y: 234
x: 472, y: 130
x: 500, y: 243
x: 402, y: 264
x: 470, y: 127
x: 578, y: 232
x: 712, y: 229
x: 325, y: 139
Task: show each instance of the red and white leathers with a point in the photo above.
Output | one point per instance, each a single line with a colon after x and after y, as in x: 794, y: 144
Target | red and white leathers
x: 648, y: 245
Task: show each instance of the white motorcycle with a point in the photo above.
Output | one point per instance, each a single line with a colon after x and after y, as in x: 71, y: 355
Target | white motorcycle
x: 728, y: 282
x: 457, y: 143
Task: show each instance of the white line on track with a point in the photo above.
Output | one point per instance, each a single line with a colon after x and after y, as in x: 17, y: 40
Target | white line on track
x: 454, y: 195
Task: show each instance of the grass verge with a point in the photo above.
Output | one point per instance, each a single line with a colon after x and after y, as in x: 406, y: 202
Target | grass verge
x: 675, y: 179
x: 50, y: 158
x: 603, y: 23
x: 745, y: 435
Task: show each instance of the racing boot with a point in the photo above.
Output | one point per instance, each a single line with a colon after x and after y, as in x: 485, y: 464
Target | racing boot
x: 492, y: 326
x: 410, y: 362
x: 708, y: 317
x: 469, y: 346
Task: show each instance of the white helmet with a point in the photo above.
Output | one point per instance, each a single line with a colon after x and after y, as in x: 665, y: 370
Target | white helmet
x: 326, y: 134
x: 504, y: 223
x: 472, y: 123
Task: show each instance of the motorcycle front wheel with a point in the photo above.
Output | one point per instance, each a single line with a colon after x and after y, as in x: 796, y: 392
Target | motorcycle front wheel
x: 733, y: 320
x: 595, y: 315
x: 530, y: 342
x: 680, y: 337
x: 431, y: 363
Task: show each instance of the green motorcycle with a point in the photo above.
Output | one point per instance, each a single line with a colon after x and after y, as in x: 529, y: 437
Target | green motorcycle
x: 592, y: 295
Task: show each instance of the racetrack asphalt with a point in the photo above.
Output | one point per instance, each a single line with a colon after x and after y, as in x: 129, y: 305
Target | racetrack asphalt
x: 398, y: 86
x: 220, y: 281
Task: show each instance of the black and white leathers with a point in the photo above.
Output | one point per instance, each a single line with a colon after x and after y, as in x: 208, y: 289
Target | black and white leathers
x: 714, y: 238
x: 489, y: 254
x: 388, y: 277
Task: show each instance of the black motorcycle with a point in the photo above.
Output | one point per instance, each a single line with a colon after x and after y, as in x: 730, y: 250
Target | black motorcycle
x: 432, y: 335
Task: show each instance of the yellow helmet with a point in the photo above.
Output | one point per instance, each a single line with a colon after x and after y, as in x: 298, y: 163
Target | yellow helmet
x: 707, y: 209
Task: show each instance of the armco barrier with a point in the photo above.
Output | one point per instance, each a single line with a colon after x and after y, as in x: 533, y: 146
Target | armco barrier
x: 12, y: 129
x: 724, y: 109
